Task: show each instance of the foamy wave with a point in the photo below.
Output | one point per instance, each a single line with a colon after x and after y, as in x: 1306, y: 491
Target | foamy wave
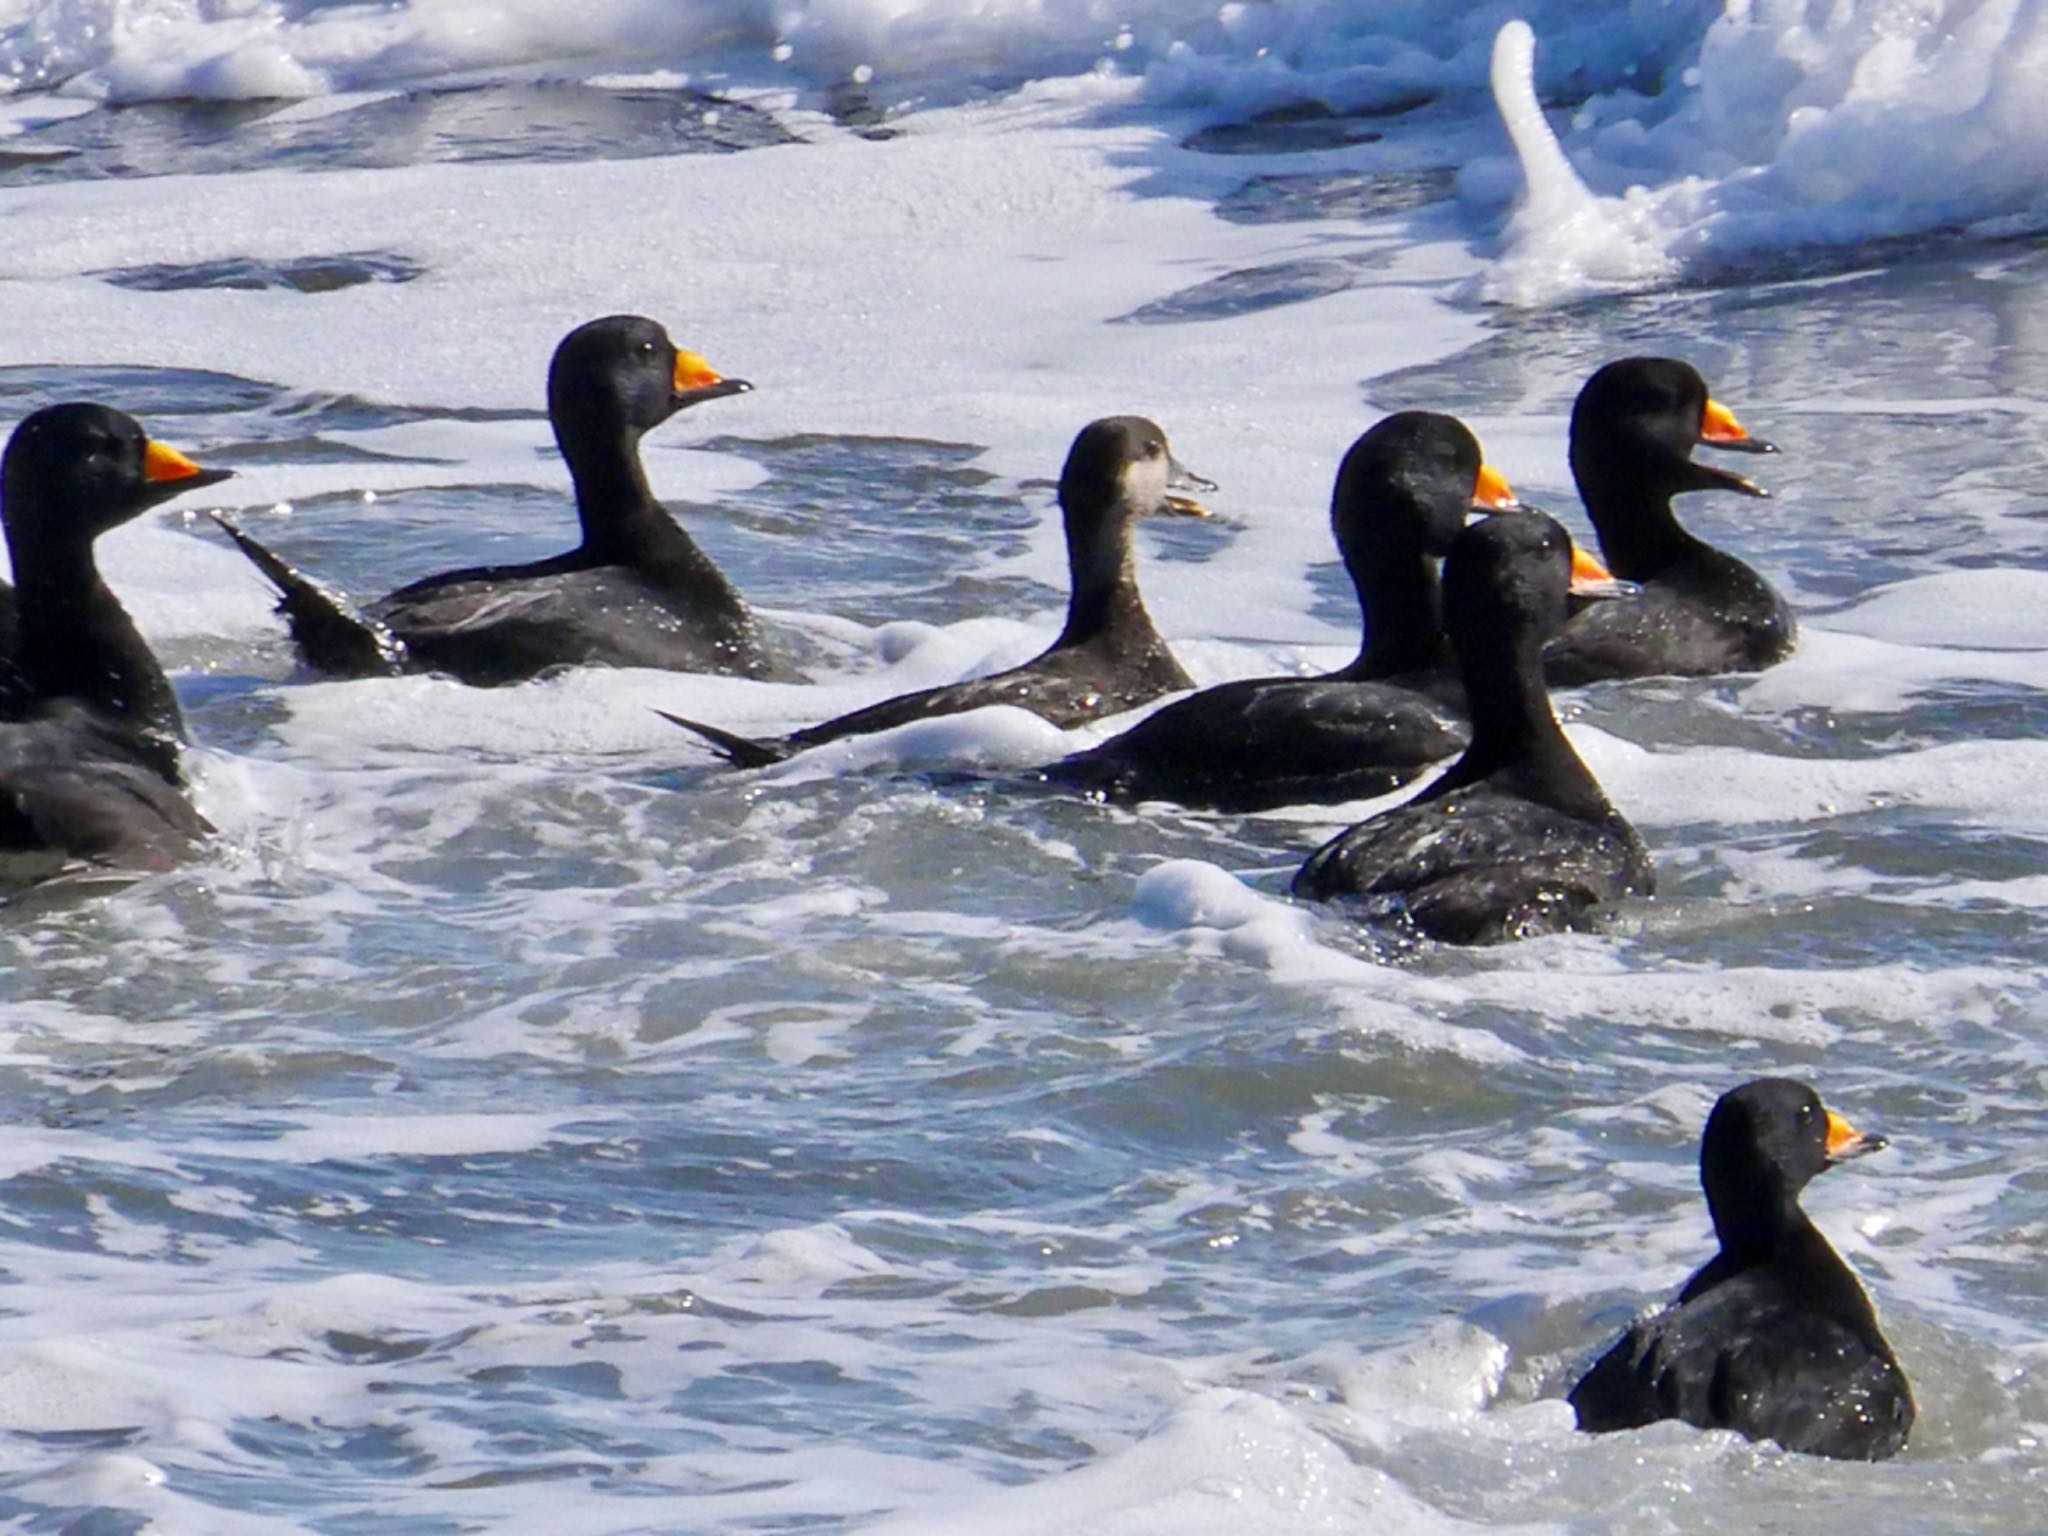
x: 1222, y: 1461
x: 1704, y: 133
x: 1801, y: 125
x: 1238, y: 55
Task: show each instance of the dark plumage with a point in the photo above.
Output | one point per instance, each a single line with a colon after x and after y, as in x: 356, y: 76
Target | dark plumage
x: 1773, y: 1338
x: 1698, y: 610
x: 1404, y: 490
x: 1108, y: 658
x: 637, y: 592
x: 1516, y: 838
x: 89, y: 726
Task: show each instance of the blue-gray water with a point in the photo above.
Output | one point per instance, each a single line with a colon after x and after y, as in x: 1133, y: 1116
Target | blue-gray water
x: 533, y: 1137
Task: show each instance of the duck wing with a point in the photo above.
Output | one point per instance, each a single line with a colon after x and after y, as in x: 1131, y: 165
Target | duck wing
x: 331, y: 634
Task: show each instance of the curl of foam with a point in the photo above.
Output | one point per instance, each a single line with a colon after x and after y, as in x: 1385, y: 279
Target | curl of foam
x: 1561, y: 234
x: 1804, y: 125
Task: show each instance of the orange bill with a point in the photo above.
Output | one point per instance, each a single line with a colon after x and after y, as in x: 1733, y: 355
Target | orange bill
x: 161, y: 463
x: 1718, y: 425
x: 1845, y: 1141
x: 692, y: 372
x: 1720, y: 429
x: 1492, y: 491
x: 1592, y: 579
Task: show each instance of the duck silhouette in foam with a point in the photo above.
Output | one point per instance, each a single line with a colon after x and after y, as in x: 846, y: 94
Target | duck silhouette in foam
x: 637, y: 592
x: 1697, y: 610
x: 1108, y: 657
x: 1517, y: 837
x: 90, y: 785
x: 1774, y: 1337
x: 1404, y: 490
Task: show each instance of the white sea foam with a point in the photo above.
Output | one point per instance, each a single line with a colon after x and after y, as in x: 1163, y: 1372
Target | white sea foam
x: 961, y: 226
x: 360, y: 1136
x: 1561, y: 236
x: 1883, y: 653
x: 2002, y: 609
x: 1245, y: 55
x: 1996, y: 782
x: 1222, y: 1462
x: 1220, y: 914
x: 1711, y: 132
x: 819, y: 1145
x: 1798, y: 125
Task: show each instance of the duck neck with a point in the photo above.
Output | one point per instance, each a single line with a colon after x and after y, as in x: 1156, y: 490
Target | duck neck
x: 622, y: 522
x: 76, y: 641
x: 1630, y: 509
x: 1755, y: 1219
x: 1403, y: 613
x: 1102, y: 581
x: 1515, y: 731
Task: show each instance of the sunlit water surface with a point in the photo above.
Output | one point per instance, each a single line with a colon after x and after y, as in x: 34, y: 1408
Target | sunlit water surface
x: 523, y: 1123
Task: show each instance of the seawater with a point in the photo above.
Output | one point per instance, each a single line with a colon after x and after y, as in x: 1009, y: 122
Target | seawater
x: 522, y: 1122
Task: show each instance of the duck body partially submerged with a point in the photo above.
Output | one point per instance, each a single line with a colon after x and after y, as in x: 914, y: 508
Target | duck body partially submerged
x: 1697, y: 610
x: 1774, y: 1338
x: 90, y: 729
x: 1108, y: 657
x: 636, y: 592
x: 1403, y: 491
x: 1517, y: 837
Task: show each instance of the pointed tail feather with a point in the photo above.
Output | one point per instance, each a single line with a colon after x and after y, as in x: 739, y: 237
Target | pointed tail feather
x: 744, y: 751
x: 330, y: 633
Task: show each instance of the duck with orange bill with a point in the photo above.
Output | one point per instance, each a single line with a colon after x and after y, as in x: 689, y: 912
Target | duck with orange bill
x: 90, y: 780
x: 1108, y: 657
x: 636, y: 592
x: 1404, y: 490
x: 1697, y: 610
x: 1517, y: 837
x: 1774, y: 1337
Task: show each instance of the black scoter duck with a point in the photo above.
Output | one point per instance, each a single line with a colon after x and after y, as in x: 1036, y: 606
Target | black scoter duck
x: 1108, y: 658
x: 1698, y: 610
x: 89, y: 726
x: 1516, y: 838
x: 637, y: 592
x: 1774, y: 1338
x: 1404, y: 490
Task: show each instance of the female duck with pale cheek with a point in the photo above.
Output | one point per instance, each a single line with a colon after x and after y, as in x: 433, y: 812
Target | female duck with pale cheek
x: 1405, y: 489
x: 1108, y: 657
